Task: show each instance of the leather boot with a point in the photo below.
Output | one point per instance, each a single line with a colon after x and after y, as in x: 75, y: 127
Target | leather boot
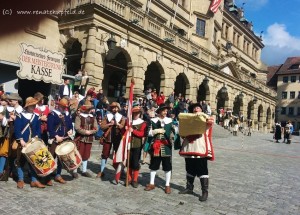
x: 189, y: 186
x: 204, y: 187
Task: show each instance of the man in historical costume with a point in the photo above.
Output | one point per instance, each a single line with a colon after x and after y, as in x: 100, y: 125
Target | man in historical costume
x: 60, y: 128
x: 161, y: 149
x: 13, y: 109
x: 112, y: 126
x: 197, y: 149
x: 250, y: 125
x: 27, y: 125
x: 42, y: 110
x: 86, y: 127
x: 277, y: 134
x: 138, y: 129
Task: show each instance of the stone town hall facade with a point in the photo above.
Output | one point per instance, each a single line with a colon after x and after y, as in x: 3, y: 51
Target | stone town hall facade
x: 168, y: 45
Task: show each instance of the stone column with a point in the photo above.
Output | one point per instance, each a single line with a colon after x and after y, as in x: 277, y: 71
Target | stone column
x: 93, y: 60
x: 136, y: 72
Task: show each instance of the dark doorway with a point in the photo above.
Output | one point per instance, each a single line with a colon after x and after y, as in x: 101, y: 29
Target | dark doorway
x: 153, y: 77
x: 180, y: 85
x: 73, y: 56
x: 29, y: 88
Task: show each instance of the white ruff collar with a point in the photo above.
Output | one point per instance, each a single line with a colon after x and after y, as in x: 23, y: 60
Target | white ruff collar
x: 165, y: 120
x: 117, y: 117
x: 41, y: 107
x: 19, y: 109
x: 86, y: 115
x: 27, y: 115
x: 10, y: 108
x: 137, y: 121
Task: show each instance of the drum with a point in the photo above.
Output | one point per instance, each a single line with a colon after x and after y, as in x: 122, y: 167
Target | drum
x: 68, y: 155
x: 41, y: 160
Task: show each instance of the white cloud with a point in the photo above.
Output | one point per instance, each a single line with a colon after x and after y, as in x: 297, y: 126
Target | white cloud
x: 277, y: 35
x: 279, y: 45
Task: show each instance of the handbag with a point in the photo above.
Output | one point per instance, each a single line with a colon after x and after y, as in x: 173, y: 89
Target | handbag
x: 4, y: 146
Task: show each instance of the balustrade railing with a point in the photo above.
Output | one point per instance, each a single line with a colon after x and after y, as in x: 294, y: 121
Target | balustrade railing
x: 161, y: 31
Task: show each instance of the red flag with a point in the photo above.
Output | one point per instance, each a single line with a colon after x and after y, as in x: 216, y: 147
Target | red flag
x: 215, y: 5
x: 120, y: 156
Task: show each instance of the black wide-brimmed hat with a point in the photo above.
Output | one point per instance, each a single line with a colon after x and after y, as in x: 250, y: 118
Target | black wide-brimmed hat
x: 192, y: 106
x: 162, y: 107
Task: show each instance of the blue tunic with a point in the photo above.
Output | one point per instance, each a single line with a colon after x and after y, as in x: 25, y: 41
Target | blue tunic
x: 20, y: 123
x: 58, y: 124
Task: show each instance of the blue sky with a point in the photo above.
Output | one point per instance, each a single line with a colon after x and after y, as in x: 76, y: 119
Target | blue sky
x: 280, y: 22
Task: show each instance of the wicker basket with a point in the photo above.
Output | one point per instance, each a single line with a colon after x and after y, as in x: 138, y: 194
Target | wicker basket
x: 192, y: 124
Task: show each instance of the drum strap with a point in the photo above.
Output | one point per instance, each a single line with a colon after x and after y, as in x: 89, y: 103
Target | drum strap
x: 28, y: 124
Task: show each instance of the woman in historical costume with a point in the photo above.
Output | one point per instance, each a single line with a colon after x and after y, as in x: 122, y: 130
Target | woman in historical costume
x: 197, y: 150
x: 86, y: 126
x: 138, y: 132
x: 27, y: 125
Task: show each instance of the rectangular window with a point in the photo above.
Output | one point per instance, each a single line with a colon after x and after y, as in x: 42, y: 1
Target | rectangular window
x: 291, y: 111
x: 284, y: 95
x: 299, y: 95
x: 298, y: 111
x: 200, y: 27
x: 292, y: 94
x: 293, y: 78
x: 283, y: 110
x: 285, y: 79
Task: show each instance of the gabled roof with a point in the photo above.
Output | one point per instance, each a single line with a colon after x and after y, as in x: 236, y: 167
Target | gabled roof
x: 272, y: 76
x: 290, y: 66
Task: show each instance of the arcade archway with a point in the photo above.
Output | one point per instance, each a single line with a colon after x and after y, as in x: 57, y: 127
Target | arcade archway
x: 222, y: 99
x: 260, y: 117
x: 237, y: 105
x: 268, y: 118
x: 203, y: 93
x: 181, y: 85
x: 73, y: 56
x: 250, y: 110
x: 115, y: 73
x: 153, y: 76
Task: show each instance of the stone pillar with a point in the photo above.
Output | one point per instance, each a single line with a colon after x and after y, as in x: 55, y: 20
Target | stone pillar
x: 136, y: 72
x: 93, y: 60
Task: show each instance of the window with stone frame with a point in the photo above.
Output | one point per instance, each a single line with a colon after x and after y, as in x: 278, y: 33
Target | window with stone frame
x: 200, y: 27
x: 291, y: 111
x: 284, y: 95
x: 299, y: 95
x: 293, y: 78
x: 283, y: 110
x: 298, y: 111
x: 292, y: 94
x: 285, y: 79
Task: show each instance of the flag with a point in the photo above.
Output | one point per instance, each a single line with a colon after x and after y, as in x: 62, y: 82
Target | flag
x: 120, y: 156
x: 215, y: 5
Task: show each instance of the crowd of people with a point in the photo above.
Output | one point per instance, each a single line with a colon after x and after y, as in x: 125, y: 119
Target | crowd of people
x: 83, y: 117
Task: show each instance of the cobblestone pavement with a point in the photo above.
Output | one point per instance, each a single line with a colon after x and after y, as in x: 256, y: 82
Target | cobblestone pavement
x: 250, y: 175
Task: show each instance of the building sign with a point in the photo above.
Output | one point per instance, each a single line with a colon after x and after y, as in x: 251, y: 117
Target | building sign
x: 40, y: 65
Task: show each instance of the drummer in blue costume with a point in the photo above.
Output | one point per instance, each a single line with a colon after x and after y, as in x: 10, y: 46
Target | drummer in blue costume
x: 27, y: 125
x: 60, y: 127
